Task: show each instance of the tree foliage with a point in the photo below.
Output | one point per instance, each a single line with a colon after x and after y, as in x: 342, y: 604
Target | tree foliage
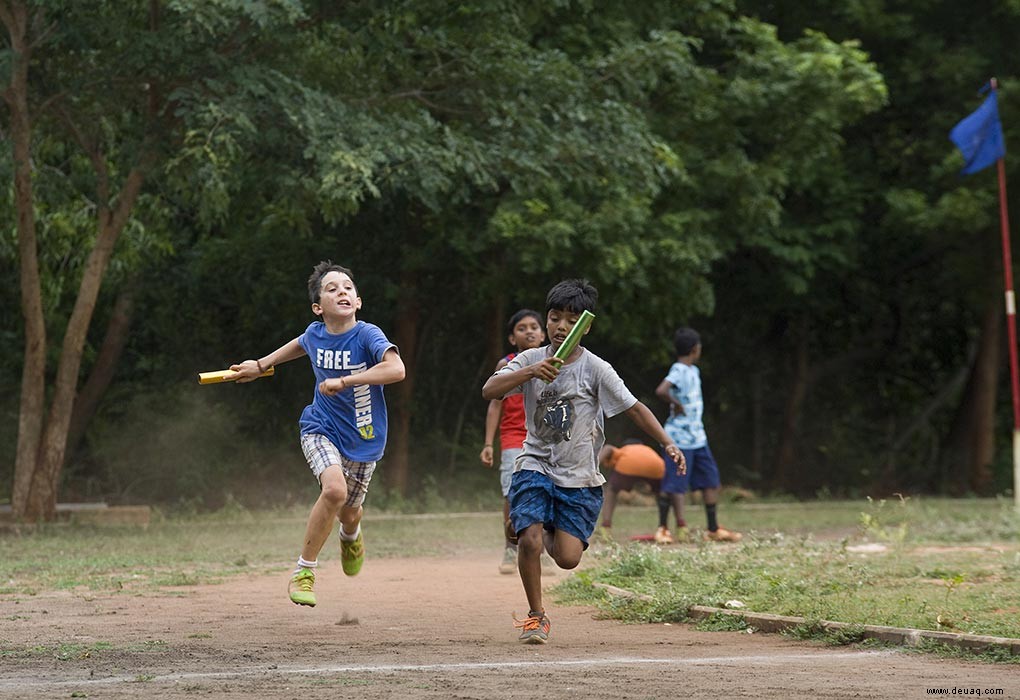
x: 770, y: 172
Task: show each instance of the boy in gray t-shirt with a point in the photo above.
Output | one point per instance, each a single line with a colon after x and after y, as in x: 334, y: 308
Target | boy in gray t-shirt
x: 556, y: 491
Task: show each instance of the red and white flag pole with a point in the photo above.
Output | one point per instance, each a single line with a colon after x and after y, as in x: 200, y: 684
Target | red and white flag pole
x: 1007, y: 274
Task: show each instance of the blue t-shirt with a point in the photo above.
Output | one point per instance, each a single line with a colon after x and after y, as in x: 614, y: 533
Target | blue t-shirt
x: 686, y: 429
x: 355, y: 419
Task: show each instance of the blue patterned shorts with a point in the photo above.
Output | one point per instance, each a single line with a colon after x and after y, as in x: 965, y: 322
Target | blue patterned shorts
x: 534, y: 498
x: 321, y: 453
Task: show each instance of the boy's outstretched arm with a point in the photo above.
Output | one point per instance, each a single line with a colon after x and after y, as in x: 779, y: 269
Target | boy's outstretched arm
x: 249, y: 370
x: 390, y: 370
x: 492, y: 416
x: 664, y: 393
x: 645, y: 419
x: 499, y: 384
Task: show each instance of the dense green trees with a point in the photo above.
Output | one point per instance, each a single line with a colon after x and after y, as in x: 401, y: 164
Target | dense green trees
x: 699, y: 164
x: 921, y: 315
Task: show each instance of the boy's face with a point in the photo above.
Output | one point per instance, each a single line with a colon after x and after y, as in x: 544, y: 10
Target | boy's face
x: 338, y: 297
x: 527, y: 334
x: 558, y: 323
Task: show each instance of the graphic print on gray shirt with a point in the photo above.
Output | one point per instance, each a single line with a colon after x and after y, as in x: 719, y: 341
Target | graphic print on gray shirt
x: 554, y: 417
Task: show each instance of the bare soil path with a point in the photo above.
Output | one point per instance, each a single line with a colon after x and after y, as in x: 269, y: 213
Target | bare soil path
x: 420, y: 628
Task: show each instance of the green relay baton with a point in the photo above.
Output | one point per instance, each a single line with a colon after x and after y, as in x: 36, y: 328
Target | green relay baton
x: 574, y: 337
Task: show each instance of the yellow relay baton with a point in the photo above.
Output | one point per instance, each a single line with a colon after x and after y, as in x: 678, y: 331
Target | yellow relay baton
x: 226, y: 375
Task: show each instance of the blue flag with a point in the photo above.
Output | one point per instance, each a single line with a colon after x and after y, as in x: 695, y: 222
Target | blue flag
x: 979, y: 136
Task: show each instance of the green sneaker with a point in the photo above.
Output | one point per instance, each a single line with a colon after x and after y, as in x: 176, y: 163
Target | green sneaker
x: 300, y: 587
x: 352, y: 554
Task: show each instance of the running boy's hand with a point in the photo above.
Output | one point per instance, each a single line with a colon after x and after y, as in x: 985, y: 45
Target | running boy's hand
x: 497, y: 386
x: 677, y: 455
x: 332, y: 387
x: 486, y: 455
x: 247, y: 371
x: 546, y: 370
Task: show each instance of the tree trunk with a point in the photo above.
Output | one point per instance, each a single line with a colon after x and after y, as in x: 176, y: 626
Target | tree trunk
x: 785, y: 476
x: 15, y: 18
x: 495, y: 332
x: 42, y: 439
x: 106, y: 364
x: 405, y: 335
x: 970, y: 446
x: 757, y: 423
x: 41, y: 501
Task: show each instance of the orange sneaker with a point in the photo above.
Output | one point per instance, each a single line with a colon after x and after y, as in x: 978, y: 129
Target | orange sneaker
x: 534, y: 628
x: 723, y: 535
x: 663, y: 536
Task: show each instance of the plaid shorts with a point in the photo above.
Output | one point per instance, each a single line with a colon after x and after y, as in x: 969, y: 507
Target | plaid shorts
x: 322, y: 453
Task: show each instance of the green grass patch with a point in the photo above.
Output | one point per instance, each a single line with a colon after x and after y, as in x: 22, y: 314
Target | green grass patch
x: 951, y: 566
x: 189, y: 550
x: 974, y: 590
x: 719, y: 622
x: 77, y: 652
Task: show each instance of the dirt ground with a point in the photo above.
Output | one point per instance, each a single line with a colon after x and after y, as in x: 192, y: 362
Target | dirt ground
x: 420, y: 628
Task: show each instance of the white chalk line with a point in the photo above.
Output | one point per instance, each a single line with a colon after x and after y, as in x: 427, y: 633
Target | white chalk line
x: 35, y: 682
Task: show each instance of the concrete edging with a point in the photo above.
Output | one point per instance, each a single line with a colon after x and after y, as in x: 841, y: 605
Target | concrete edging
x: 903, y: 636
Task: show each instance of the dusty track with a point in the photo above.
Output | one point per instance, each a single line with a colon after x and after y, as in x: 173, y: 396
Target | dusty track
x: 419, y: 628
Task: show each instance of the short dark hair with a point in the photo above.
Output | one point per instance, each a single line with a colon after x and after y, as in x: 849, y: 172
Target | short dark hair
x: 574, y: 295
x: 320, y: 271
x: 519, y: 316
x: 684, y: 340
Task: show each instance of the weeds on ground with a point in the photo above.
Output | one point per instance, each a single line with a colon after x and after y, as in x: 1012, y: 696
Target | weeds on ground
x: 966, y: 589
x: 719, y: 622
x: 815, y: 629
x: 877, y: 521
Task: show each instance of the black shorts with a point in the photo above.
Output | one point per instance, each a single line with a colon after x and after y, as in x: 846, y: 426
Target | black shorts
x: 626, y: 482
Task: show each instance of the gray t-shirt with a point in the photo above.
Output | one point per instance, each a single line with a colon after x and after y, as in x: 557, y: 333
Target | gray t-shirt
x: 565, y: 418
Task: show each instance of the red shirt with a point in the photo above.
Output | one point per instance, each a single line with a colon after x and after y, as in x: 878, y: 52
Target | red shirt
x: 512, y: 429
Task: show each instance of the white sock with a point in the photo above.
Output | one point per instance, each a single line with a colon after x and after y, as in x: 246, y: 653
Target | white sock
x: 302, y: 564
x: 349, y: 538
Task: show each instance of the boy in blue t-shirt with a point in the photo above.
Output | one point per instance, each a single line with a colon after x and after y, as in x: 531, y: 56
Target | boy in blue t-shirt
x: 343, y: 430
x: 681, y: 389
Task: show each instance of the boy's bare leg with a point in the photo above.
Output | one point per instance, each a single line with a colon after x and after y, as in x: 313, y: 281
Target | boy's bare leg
x: 350, y: 518
x: 529, y: 565
x: 710, y: 496
x: 320, y: 520
x: 608, y: 506
x: 566, y: 549
x: 677, y: 499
